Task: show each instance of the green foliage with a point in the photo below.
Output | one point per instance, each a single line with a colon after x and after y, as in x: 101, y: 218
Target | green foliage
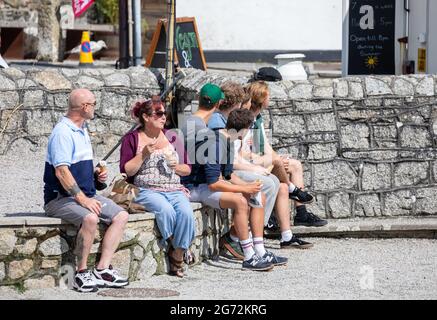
x: 20, y: 287
x: 145, y: 25
x: 107, y: 11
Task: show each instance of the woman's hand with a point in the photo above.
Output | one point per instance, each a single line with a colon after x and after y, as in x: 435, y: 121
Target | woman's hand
x: 172, y: 163
x: 149, y: 149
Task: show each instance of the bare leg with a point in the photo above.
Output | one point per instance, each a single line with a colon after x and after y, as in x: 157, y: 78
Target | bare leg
x: 112, y: 239
x: 85, y: 239
x: 295, y: 169
x: 238, y: 203
x: 256, y: 219
x: 176, y: 259
x: 280, y: 172
x: 282, y: 208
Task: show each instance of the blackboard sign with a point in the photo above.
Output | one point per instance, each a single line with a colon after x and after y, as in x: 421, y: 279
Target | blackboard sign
x: 188, y: 49
x: 371, y: 38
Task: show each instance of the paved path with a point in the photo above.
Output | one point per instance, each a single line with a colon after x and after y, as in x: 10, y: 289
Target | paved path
x: 333, y: 269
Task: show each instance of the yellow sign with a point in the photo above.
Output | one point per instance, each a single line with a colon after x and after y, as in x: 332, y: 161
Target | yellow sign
x: 421, y: 60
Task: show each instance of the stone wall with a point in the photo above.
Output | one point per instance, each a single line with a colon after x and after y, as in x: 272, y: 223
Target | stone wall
x: 39, y: 21
x: 38, y: 252
x: 368, y: 144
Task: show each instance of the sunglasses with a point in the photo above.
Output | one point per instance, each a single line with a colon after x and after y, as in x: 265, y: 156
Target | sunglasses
x: 93, y: 104
x: 159, y: 114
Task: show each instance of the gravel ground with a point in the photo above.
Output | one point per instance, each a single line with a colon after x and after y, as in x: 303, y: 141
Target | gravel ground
x: 22, y: 178
x: 333, y: 269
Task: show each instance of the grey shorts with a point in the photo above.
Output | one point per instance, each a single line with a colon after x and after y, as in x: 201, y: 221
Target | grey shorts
x: 66, y: 208
x: 202, y: 194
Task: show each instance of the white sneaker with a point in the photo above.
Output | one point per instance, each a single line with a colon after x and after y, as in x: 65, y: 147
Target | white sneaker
x: 85, y: 282
x: 109, y: 278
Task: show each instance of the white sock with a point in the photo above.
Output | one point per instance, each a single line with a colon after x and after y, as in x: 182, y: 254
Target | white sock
x: 247, y: 246
x: 234, y: 238
x: 286, y: 235
x: 291, y: 187
x: 259, y: 246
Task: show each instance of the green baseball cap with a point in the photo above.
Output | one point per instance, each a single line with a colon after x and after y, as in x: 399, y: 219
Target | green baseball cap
x: 210, y: 94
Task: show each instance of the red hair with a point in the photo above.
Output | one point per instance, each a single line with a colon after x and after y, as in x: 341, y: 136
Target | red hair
x: 146, y: 107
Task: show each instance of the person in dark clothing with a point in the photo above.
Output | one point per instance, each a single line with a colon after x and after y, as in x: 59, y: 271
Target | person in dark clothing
x: 213, y: 182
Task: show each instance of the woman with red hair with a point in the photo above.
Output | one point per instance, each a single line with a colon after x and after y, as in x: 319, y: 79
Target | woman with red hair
x: 155, y: 165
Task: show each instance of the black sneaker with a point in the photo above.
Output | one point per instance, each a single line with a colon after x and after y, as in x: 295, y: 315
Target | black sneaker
x: 301, y: 196
x: 309, y: 219
x: 109, y: 278
x: 84, y: 282
x: 257, y: 264
x: 272, y: 229
x: 276, y: 260
x: 296, y: 243
x: 233, y: 247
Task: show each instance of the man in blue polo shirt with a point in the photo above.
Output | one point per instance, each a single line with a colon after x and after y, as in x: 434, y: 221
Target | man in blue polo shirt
x: 70, y: 193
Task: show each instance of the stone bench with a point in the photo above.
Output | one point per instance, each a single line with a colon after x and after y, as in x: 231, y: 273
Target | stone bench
x: 38, y: 251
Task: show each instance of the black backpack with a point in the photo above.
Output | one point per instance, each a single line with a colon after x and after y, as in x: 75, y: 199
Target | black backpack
x: 267, y: 74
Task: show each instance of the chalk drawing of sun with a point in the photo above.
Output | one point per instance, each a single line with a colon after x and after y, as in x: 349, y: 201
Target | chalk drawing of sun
x: 371, y: 62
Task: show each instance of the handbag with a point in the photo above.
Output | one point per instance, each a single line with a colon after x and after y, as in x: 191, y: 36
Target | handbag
x: 124, y: 193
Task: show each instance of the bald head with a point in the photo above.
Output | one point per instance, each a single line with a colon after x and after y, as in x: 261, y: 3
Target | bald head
x: 78, y: 97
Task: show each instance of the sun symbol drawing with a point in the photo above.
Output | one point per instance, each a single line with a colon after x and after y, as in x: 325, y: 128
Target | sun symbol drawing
x: 371, y: 62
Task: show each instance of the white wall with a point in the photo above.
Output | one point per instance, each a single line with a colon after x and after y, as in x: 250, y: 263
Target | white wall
x: 417, y: 25
x: 266, y: 24
x: 432, y: 37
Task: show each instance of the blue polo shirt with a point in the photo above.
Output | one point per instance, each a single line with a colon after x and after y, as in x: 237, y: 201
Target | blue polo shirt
x: 69, y: 145
x: 217, y: 121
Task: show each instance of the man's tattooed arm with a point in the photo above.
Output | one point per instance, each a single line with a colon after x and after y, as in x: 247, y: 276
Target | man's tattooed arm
x: 67, y: 181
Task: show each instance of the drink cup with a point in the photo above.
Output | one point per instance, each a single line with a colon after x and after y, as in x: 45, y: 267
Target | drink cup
x: 169, y: 156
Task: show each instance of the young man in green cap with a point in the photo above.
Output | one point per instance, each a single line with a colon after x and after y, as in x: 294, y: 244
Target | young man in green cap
x: 213, y: 183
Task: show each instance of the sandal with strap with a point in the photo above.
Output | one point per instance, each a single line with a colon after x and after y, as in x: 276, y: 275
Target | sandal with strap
x: 189, y: 257
x: 176, y: 266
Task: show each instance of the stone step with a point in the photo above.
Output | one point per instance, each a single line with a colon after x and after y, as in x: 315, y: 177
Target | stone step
x: 357, y: 227
x: 415, y: 227
x: 29, y: 219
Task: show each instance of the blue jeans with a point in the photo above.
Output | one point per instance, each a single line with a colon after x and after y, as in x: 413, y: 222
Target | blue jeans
x: 173, y: 214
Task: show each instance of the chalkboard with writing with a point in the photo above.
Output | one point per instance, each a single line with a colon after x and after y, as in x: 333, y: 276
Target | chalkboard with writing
x: 371, y: 39
x: 188, y: 49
